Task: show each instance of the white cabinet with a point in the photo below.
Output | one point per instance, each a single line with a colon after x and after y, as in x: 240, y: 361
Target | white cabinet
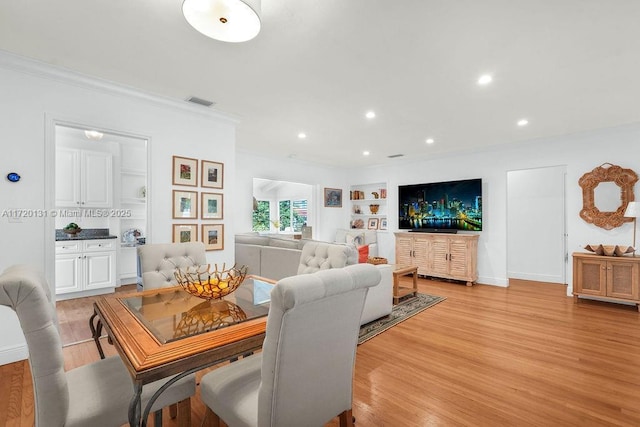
x: 85, y: 265
x: 368, y: 201
x: 83, y: 178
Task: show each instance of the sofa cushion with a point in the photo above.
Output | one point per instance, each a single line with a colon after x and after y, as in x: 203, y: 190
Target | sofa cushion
x: 284, y: 243
x: 252, y: 239
x: 356, y: 239
x: 363, y: 253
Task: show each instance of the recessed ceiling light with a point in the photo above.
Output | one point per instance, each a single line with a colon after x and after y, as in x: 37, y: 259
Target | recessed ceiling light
x: 370, y: 115
x: 302, y: 135
x: 365, y: 153
x: 523, y: 122
x: 429, y: 141
x: 485, y: 79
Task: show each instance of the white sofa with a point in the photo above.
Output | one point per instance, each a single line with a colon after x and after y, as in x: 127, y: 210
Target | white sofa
x: 276, y: 258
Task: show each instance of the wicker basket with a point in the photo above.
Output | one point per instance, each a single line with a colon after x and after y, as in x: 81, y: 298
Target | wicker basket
x: 377, y: 260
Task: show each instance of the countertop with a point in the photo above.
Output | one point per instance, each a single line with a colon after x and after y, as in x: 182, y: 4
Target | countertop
x: 86, y: 234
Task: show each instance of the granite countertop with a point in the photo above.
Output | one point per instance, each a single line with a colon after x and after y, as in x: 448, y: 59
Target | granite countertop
x: 86, y: 234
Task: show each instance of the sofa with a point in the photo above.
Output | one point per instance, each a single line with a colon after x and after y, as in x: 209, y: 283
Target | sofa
x: 276, y: 258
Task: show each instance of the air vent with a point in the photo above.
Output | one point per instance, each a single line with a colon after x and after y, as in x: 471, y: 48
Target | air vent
x: 393, y: 156
x: 200, y: 101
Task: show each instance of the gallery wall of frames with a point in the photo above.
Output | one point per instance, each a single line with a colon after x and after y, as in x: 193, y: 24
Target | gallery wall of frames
x: 198, y: 211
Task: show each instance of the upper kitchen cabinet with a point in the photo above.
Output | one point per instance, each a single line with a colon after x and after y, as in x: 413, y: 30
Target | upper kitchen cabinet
x: 84, y: 178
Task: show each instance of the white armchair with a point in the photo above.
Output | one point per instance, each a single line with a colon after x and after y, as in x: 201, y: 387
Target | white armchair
x: 304, y: 375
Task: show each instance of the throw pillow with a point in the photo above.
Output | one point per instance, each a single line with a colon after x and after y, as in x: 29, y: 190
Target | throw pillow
x: 363, y: 253
x: 356, y: 239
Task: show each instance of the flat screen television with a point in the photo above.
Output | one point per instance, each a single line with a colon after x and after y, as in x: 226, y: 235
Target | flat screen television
x: 441, y: 206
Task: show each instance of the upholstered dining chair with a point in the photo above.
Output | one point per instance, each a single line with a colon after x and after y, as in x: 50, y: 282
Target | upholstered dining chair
x: 304, y: 374
x: 94, y: 395
x: 158, y: 262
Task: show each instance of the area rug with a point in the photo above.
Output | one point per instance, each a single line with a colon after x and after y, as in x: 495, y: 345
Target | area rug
x: 401, y: 312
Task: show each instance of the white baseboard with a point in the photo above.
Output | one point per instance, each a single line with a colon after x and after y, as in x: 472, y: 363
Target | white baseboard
x: 535, y: 277
x: 493, y: 281
x: 13, y: 354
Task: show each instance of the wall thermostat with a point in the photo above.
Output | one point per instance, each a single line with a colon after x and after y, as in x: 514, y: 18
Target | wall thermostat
x: 13, y: 177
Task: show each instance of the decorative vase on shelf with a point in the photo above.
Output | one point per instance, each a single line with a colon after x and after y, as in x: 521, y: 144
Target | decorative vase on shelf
x: 374, y: 208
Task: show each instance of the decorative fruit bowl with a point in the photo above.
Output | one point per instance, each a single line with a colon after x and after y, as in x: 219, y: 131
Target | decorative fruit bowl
x: 610, y: 250
x: 72, y: 231
x: 207, y: 284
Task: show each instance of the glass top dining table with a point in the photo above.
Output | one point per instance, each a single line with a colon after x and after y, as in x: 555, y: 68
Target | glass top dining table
x: 177, y: 314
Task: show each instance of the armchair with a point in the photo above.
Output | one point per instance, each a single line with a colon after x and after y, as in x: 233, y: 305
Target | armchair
x: 96, y: 395
x: 303, y: 377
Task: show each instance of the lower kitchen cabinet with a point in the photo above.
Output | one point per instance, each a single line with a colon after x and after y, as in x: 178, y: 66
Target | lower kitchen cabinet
x: 85, y: 267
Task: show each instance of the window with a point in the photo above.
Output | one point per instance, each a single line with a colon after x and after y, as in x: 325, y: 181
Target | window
x: 261, y: 217
x: 293, y: 215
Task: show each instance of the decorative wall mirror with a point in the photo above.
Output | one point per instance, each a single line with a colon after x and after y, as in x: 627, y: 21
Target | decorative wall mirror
x: 600, y: 187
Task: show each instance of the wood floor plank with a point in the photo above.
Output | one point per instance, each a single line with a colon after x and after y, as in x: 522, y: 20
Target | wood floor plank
x: 526, y: 355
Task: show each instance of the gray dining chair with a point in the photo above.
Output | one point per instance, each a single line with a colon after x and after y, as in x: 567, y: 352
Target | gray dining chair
x: 304, y: 374
x: 158, y: 262
x: 94, y: 395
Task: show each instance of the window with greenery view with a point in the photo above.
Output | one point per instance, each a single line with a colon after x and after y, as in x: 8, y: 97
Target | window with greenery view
x: 292, y: 215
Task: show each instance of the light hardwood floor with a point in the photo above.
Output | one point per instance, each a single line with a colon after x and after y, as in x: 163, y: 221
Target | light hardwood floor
x: 526, y: 355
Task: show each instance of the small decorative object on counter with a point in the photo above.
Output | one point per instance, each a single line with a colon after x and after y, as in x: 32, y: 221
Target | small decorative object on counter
x: 206, y: 284
x: 72, y: 229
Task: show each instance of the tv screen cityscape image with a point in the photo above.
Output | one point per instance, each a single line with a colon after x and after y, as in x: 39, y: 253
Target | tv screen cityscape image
x: 451, y: 205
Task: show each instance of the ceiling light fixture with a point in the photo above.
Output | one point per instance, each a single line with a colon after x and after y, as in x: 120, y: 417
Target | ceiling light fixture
x: 523, y: 122
x: 225, y: 20
x: 370, y: 115
x: 302, y: 135
x: 365, y: 153
x: 429, y: 141
x: 485, y: 79
x: 93, y: 135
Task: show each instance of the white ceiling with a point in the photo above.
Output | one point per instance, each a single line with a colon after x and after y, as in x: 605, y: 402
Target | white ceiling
x: 318, y: 66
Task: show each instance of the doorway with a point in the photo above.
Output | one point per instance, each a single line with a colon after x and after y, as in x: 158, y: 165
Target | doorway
x: 536, y: 225
x: 101, y: 184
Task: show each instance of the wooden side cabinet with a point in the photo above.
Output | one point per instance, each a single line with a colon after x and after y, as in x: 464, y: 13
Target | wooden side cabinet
x: 448, y: 256
x: 613, y: 278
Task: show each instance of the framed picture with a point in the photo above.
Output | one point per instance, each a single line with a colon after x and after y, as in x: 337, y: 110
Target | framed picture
x: 213, y: 236
x: 183, y: 233
x: 185, y: 171
x: 372, y: 224
x: 211, y: 205
x: 212, y: 174
x: 383, y: 224
x: 332, y: 198
x: 185, y: 204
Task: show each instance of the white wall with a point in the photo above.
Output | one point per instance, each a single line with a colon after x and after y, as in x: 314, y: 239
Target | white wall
x: 33, y: 97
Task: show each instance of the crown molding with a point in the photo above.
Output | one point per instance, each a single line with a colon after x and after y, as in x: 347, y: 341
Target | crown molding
x: 21, y: 64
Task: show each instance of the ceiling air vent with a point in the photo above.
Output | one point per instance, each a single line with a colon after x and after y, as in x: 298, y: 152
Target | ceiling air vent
x: 200, y: 101
x: 393, y: 156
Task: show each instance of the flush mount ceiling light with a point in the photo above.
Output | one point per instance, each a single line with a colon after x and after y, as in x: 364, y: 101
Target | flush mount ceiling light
x: 429, y: 141
x: 224, y: 20
x: 93, y: 135
x: 370, y: 115
x: 485, y: 79
x: 302, y: 135
x: 523, y: 122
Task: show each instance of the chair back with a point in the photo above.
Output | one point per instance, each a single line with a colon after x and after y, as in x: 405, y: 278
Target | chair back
x: 26, y: 291
x: 317, y: 256
x: 309, y: 349
x: 158, y: 262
